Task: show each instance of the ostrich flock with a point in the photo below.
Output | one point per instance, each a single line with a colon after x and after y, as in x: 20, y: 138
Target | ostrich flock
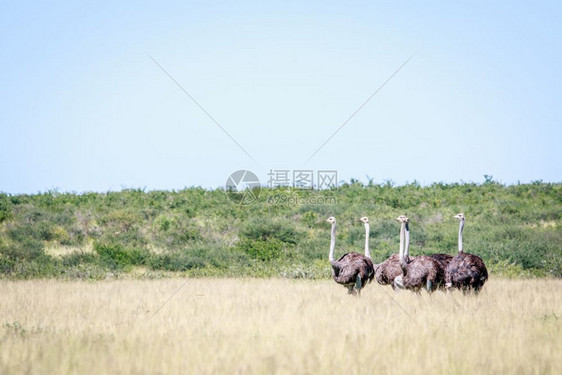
x: 464, y: 271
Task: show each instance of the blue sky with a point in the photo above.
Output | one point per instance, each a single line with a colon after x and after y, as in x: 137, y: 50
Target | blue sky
x: 84, y: 108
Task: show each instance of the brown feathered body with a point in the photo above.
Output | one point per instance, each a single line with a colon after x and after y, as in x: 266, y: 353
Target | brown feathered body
x: 466, y: 272
x: 349, y: 267
x: 423, y: 272
x: 442, y: 259
x: 387, y: 271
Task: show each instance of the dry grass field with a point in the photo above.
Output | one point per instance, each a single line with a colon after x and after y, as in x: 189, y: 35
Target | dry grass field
x: 240, y: 326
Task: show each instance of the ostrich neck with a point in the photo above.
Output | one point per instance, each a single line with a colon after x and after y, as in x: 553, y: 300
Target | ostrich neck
x: 367, y: 251
x: 332, y: 242
x: 407, y: 242
x: 461, y: 226
x: 401, y: 251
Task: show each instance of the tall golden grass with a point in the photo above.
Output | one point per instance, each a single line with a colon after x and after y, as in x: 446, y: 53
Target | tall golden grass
x: 240, y: 326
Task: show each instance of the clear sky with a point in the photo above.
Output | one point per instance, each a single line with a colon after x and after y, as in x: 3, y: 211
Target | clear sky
x: 84, y: 108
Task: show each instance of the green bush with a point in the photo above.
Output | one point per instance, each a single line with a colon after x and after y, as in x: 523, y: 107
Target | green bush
x: 178, y: 261
x: 25, y: 248
x: 262, y: 249
x: 310, y: 218
x: 78, y: 258
x: 115, y: 256
x: 5, y: 207
x: 172, y: 231
x: 263, y: 229
x: 43, y: 267
x: 6, y: 266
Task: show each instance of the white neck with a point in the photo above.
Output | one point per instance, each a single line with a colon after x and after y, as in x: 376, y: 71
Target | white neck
x: 461, y: 226
x: 367, y: 251
x: 332, y: 242
x: 407, y: 242
x: 401, y: 252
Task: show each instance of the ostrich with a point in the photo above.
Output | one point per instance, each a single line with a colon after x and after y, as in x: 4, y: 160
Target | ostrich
x: 421, y: 271
x: 465, y: 271
x: 387, y: 271
x: 352, y: 270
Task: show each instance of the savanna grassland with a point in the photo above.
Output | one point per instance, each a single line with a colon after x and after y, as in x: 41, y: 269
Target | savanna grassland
x: 197, y: 232
x: 276, y: 326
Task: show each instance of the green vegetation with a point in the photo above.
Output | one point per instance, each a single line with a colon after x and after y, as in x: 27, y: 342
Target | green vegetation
x: 516, y: 229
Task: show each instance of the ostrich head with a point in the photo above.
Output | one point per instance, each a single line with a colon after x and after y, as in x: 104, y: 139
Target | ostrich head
x: 459, y: 216
x: 331, y: 220
x: 402, y: 219
x: 364, y: 220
